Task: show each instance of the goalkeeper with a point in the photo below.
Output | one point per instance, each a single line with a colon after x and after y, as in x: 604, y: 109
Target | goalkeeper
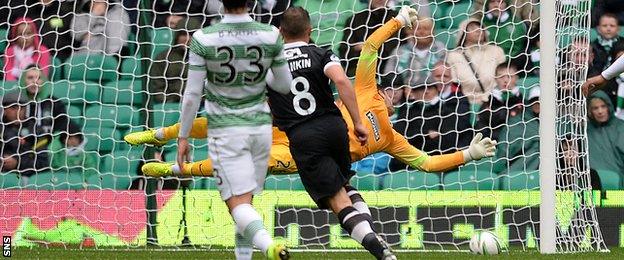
x: 375, y: 108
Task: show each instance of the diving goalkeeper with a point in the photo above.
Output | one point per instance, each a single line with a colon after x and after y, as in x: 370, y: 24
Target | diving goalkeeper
x: 375, y: 108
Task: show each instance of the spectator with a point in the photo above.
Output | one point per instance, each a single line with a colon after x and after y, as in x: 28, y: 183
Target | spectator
x: 18, y: 137
x: 54, y: 19
x: 168, y: 72
x: 505, y: 102
x: 102, y: 27
x: 507, y: 31
x: 618, y: 51
x: 474, y: 61
x: 608, y: 37
x: 605, y: 134
x: 69, y: 155
x: 518, y: 142
x: 571, y: 165
x: 526, y: 10
x: 48, y: 112
x: 25, y: 49
x: 422, y: 121
x: 607, y: 6
x: 170, y: 12
x: 416, y: 55
x: 455, y: 102
x: 359, y: 27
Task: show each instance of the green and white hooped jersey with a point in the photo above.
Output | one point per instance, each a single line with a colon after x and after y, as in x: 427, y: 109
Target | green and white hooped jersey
x: 237, y: 54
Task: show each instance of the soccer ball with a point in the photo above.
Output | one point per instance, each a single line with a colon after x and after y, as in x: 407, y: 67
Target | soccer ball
x: 485, y: 243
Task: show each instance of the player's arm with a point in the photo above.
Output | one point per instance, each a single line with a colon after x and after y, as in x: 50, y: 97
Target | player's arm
x: 190, y: 101
x: 410, y: 155
x: 594, y: 83
x: 347, y: 95
x: 366, y: 71
x: 279, y: 78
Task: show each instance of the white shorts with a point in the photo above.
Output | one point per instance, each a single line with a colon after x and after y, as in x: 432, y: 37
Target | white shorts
x: 240, y: 162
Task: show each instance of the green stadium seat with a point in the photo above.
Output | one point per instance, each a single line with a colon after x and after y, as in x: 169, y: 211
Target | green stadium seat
x: 447, y: 37
x: 110, y: 181
x: 60, y: 180
x: 4, y: 41
x: 92, y: 67
x: 130, y: 68
x: 103, y: 139
x: 76, y: 91
x: 470, y: 180
x: 8, y: 86
x: 456, y: 13
x: 208, y: 183
x: 9, y: 180
x: 485, y: 165
x: 283, y: 182
x: 520, y: 181
x: 110, y: 115
x: 610, y: 180
x: 161, y: 38
x: 366, y: 182
x: 411, y: 180
x: 122, y: 163
x: 123, y: 92
x: 56, y: 71
x: 530, y: 82
x: 165, y: 114
x: 75, y: 113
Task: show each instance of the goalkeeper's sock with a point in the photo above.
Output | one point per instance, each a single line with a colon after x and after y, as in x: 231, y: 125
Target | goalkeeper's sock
x: 249, y: 221
x: 358, y: 227
x: 243, y: 249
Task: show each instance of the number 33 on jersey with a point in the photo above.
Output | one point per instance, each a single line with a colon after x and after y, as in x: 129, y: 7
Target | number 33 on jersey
x: 310, y: 93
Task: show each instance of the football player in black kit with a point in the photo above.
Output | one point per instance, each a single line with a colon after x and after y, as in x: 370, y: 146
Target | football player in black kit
x: 316, y: 130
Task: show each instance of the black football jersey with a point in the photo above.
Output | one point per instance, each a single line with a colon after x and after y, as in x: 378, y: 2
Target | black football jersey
x: 310, y: 93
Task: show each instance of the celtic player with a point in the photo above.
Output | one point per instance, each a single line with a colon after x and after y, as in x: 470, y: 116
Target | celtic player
x: 233, y: 57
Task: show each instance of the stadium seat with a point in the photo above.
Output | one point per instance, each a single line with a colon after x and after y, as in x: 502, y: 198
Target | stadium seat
x: 110, y: 181
x: 110, y: 115
x: 411, y: 180
x: 75, y: 113
x: 520, y: 181
x: 4, y: 41
x: 161, y: 38
x: 610, y: 180
x: 122, y: 163
x: 485, y: 165
x: 9, y: 180
x: 103, y: 139
x: 366, y: 182
x: 456, y: 13
x: 92, y: 67
x: 123, y: 92
x: 470, y: 180
x: 56, y: 70
x: 165, y: 114
x: 283, y: 182
x: 530, y: 82
x: 207, y: 183
x: 58, y: 180
x: 447, y: 37
x: 76, y: 91
x: 8, y: 86
x: 130, y: 68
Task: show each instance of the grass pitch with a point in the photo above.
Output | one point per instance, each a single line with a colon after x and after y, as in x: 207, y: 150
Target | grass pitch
x: 184, y: 254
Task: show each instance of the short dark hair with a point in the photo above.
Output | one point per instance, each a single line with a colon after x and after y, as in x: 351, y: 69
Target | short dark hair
x: 505, y: 65
x: 295, y: 21
x: 609, y: 15
x: 233, y: 4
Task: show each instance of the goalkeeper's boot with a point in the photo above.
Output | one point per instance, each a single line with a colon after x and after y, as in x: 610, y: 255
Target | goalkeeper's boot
x: 144, y: 137
x: 278, y: 251
x: 157, y: 169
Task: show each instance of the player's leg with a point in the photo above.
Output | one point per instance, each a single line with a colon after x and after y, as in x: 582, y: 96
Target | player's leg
x: 161, y: 136
x: 358, y: 202
x: 161, y: 169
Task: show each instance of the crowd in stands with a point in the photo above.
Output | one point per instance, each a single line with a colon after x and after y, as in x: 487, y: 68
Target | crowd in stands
x: 448, y: 79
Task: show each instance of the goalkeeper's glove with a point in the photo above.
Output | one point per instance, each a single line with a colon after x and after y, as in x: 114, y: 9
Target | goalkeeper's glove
x: 407, y: 16
x: 480, y: 148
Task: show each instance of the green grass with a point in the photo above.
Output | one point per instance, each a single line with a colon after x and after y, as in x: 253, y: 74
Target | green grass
x: 153, y: 254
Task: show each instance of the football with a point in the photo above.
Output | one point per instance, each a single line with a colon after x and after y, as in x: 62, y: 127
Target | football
x: 485, y: 243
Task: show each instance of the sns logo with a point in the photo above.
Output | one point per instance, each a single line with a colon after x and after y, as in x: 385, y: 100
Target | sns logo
x: 6, y: 246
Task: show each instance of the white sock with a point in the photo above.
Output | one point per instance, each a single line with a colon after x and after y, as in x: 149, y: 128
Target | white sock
x: 159, y: 134
x: 176, y: 169
x: 362, y: 207
x: 360, y: 230
x: 243, y: 249
x: 248, y: 220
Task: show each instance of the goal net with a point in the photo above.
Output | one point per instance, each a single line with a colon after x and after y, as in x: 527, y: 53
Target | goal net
x: 116, y: 67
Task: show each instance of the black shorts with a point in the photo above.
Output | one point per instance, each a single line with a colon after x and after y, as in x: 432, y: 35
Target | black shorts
x: 320, y: 148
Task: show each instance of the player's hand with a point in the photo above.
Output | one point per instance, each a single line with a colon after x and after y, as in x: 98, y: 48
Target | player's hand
x: 592, y: 84
x: 361, y: 133
x: 183, y: 152
x: 479, y: 148
x: 407, y: 16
